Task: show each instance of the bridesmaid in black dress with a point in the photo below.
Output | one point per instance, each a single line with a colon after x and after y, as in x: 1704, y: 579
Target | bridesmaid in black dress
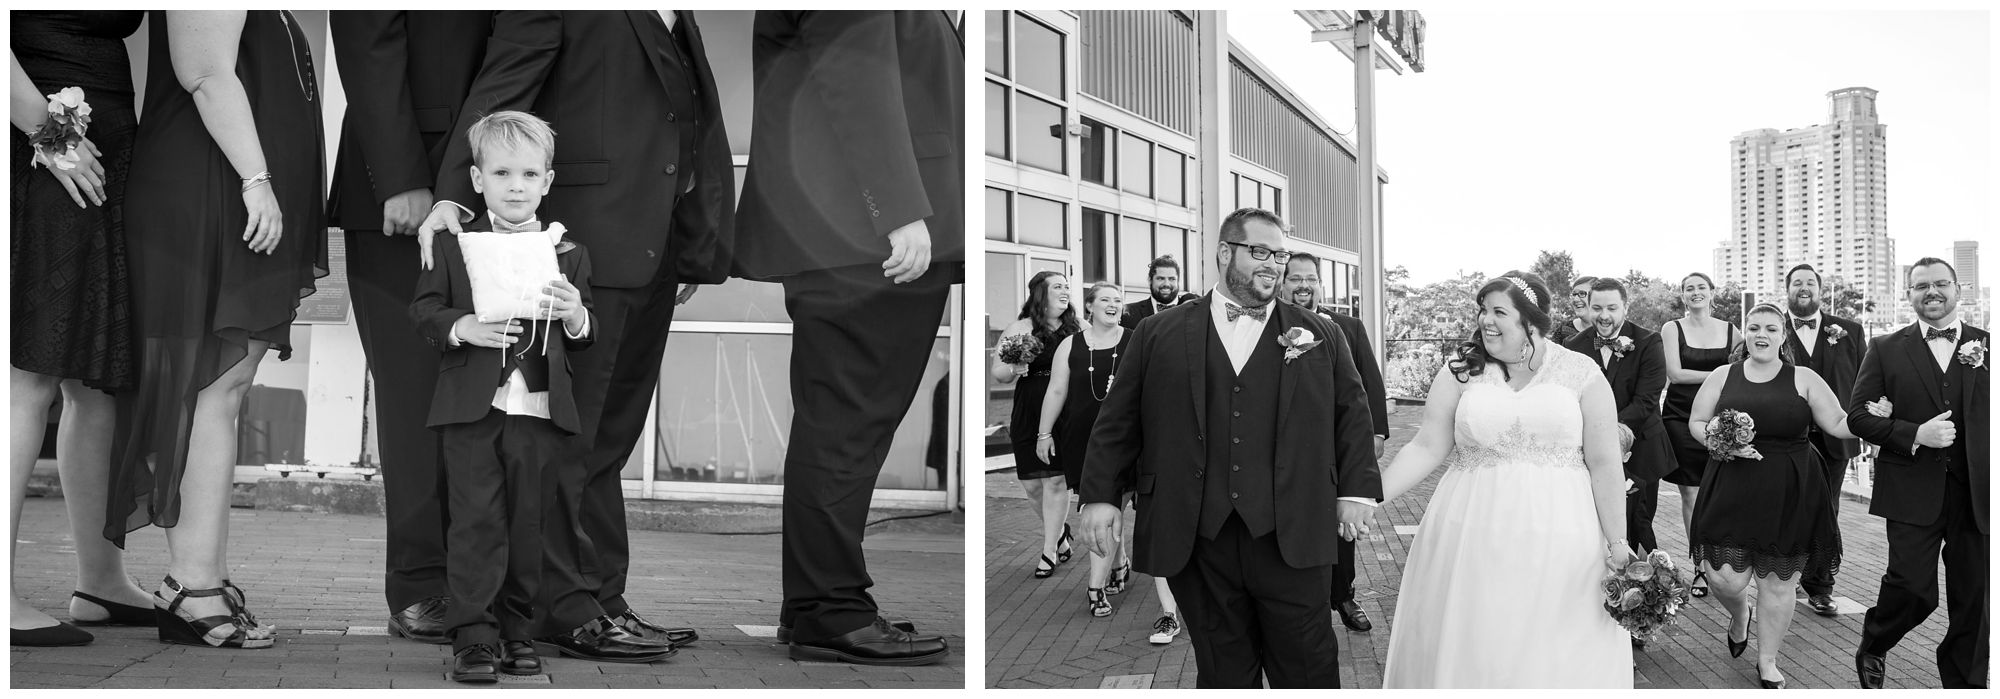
x: 227, y: 235
x: 1047, y: 316
x: 1766, y: 518
x: 1080, y: 377
x: 1698, y: 343
x: 72, y: 301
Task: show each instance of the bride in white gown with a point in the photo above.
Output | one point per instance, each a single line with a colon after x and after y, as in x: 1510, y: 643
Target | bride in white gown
x: 1502, y: 586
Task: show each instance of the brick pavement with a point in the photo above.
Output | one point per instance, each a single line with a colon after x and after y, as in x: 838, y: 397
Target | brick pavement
x: 1040, y: 633
x: 318, y: 578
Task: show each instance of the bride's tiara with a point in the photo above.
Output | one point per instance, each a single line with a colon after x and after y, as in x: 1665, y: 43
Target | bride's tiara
x: 1526, y: 290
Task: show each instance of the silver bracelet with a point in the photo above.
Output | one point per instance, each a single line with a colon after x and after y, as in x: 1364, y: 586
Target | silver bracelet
x: 1044, y: 435
x: 252, y: 181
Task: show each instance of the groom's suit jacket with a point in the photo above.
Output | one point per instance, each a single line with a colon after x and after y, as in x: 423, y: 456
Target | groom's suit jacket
x: 644, y: 176
x: 1836, y: 361
x: 1909, y: 487
x: 1152, y: 432
x: 1637, y: 379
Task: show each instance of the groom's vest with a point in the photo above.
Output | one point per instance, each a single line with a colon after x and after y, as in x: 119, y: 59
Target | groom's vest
x: 1242, y: 434
x: 1955, y: 457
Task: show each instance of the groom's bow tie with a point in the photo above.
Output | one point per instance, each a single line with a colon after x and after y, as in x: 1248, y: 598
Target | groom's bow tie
x: 1805, y: 323
x: 1949, y: 334
x: 1600, y: 341
x: 501, y: 225
x: 1234, y: 311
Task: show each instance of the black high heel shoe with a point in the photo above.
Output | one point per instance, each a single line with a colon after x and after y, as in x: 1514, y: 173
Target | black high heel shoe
x: 1119, y: 577
x: 120, y: 614
x: 188, y: 630
x: 1063, y: 545
x: 1100, y: 606
x: 1698, y: 587
x: 1736, y: 647
x: 1045, y: 568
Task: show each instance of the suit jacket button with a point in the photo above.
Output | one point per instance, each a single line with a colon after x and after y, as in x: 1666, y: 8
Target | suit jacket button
x: 1235, y: 440
x: 670, y: 117
x: 1234, y: 467
x: 1234, y: 496
x: 1198, y: 473
x: 672, y: 168
x: 649, y: 253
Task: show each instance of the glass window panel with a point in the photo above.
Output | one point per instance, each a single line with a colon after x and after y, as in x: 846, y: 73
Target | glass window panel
x: 1246, y: 192
x: 1041, y: 222
x: 997, y: 214
x: 1100, y: 247
x: 1267, y: 197
x: 996, y: 42
x: 737, y: 300
x: 996, y: 120
x: 1006, y: 288
x: 1135, y: 164
x: 1038, y: 133
x: 1170, y: 177
x: 1135, y: 246
x: 1097, y: 145
x: 1038, y: 57
x: 1168, y: 240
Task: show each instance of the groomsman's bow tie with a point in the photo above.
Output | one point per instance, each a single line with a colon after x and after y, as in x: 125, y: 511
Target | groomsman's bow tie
x: 1600, y: 341
x: 1805, y: 323
x: 1236, y: 311
x: 500, y: 225
x: 1949, y: 334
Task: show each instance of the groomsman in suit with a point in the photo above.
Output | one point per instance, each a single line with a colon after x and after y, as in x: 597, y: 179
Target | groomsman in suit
x: 643, y: 179
x: 1163, y: 275
x: 407, y: 75
x: 855, y: 202
x: 1239, y: 524
x: 1301, y: 288
x: 1832, y: 347
x: 1930, y: 479
x: 1636, y: 365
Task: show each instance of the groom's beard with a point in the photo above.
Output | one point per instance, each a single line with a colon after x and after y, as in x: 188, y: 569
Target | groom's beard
x: 1802, y: 307
x: 1164, y: 295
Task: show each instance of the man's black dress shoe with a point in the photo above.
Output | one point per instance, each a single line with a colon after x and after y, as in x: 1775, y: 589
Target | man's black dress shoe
x: 422, y: 622
x: 1352, y: 617
x: 603, y: 641
x: 785, y: 632
x: 1823, y: 605
x: 520, y: 658
x: 646, y: 629
x: 474, y: 664
x: 1869, y: 669
x: 874, y: 644
x: 62, y: 634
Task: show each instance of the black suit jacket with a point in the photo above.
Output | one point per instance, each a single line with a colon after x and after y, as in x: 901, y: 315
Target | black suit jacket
x: 1150, y: 433
x: 1143, y: 308
x: 620, y: 172
x: 406, y: 78
x: 1837, y: 362
x: 1637, y: 380
x: 859, y: 130
x: 1910, y: 487
x: 1364, y: 360
x: 468, y: 375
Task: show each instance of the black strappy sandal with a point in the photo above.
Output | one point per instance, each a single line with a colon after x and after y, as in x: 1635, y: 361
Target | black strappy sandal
x: 120, y: 614
x: 1698, y: 587
x: 187, y: 630
x: 1120, y: 576
x: 1063, y: 545
x: 1045, y: 568
x: 1100, y: 606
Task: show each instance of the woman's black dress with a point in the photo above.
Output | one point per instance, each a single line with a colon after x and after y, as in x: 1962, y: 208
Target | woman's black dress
x: 1027, y: 418
x: 1688, y: 451
x: 1768, y: 515
x: 72, y: 294
x: 203, y: 294
x: 1089, y: 381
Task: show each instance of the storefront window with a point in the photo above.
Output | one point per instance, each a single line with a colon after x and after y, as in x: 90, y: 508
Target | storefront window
x: 1135, y: 164
x: 997, y: 214
x: 996, y: 120
x: 1100, y: 247
x: 1042, y: 222
x: 1097, y: 146
x: 1038, y: 133
x: 1038, y: 54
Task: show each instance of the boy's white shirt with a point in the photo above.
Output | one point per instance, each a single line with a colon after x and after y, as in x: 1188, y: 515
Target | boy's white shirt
x: 513, y: 397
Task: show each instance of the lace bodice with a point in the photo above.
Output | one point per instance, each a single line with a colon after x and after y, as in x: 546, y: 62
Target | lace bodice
x: 1541, y: 424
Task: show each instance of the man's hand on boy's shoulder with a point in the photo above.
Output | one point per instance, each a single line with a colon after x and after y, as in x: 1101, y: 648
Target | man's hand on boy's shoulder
x: 445, y: 216
x: 469, y: 331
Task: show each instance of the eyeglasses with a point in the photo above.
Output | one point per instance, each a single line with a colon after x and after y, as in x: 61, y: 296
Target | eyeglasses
x: 1261, y: 253
x: 1941, y: 286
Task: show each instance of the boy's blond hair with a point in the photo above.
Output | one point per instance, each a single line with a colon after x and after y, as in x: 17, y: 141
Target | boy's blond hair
x: 511, y: 129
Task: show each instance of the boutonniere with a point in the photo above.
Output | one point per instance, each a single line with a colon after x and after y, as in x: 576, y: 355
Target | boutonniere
x: 1972, y: 354
x: 1834, y: 333
x: 1297, y: 341
x: 1620, y: 346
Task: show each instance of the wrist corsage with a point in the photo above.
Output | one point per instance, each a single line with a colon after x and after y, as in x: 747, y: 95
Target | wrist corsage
x: 56, y: 141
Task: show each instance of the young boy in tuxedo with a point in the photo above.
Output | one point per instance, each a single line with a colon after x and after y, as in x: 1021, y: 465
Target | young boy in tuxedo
x: 502, y: 404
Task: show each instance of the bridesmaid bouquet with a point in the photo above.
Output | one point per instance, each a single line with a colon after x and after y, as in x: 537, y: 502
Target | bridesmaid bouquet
x: 56, y: 141
x: 1646, y: 596
x: 1730, y: 434
x: 1019, y: 349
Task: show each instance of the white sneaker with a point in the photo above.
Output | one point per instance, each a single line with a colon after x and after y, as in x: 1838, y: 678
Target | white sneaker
x: 1165, y: 630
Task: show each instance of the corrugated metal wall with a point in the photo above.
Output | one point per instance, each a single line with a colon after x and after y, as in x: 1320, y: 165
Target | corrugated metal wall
x: 1267, y: 130
x: 1142, y: 61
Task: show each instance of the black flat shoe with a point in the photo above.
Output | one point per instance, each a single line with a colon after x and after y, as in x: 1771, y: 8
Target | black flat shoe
x: 874, y: 644
x: 644, y: 628
x: 1699, y: 586
x: 1045, y: 568
x: 1352, y: 617
x: 422, y: 622
x: 1064, y: 547
x: 474, y: 664
x: 520, y: 658
x: 62, y: 634
x: 120, y: 614
x: 1767, y: 684
x: 603, y: 641
x: 904, y: 625
x: 1870, y: 669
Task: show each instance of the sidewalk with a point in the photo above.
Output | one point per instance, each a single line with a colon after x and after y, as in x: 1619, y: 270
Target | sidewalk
x: 1040, y: 633
x: 318, y: 577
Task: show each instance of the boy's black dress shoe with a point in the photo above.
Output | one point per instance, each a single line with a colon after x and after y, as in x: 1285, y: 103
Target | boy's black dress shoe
x: 520, y: 658
x: 601, y: 640
x: 874, y: 644
x: 646, y: 629
x: 785, y: 632
x: 1352, y: 617
x: 474, y: 664
x: 422, y: 622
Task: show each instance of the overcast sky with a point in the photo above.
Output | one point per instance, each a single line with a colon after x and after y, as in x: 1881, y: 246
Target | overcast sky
x: 1607, y: 135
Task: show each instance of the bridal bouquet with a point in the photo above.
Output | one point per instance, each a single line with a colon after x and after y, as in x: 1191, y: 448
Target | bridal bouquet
x: 1019, y: 349
x: 1646, y: 596
x: 56, y: 141
x: 1730, y: 434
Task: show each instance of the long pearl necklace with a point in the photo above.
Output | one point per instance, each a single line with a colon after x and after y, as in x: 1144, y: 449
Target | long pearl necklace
x: 1091, y: 368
